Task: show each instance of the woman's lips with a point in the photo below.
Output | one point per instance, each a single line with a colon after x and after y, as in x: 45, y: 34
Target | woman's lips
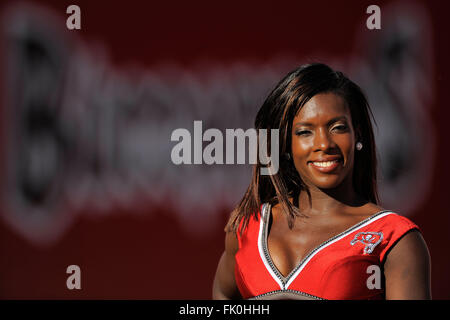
x: 325, y: 166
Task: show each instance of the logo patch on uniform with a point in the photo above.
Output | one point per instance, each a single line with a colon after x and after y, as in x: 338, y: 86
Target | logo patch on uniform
x: 369, y: 239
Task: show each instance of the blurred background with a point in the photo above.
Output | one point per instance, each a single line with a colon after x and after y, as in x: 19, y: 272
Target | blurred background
x: 86, y: 116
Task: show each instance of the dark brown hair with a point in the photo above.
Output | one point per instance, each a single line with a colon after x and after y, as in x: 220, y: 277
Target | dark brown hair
x: 278, y: 112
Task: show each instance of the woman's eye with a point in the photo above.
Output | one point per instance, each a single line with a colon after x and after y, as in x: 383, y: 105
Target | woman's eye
x: 302, y: 132
x: 340, y: 127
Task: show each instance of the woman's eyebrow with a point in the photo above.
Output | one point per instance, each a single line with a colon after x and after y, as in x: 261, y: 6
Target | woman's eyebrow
x: 309, y: 124
x: 336, y: 119
x: 303, y: 124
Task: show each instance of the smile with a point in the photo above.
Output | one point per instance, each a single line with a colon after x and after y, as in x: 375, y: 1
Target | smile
x: 325, y: 166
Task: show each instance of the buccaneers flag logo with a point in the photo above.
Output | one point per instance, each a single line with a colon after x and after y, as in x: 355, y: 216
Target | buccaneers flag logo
x: 369, y: 239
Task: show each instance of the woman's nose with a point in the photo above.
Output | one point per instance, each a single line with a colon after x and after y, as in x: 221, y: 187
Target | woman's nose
x: 323, y: 140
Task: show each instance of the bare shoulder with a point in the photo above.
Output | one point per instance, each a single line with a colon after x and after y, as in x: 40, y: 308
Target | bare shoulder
x: 224, y: 285
x: 372, y: 208
x: 277, y: 210
x: 231, y: 242
x: 411, y: 246
x: 365, y: 211
x: 407, y: 268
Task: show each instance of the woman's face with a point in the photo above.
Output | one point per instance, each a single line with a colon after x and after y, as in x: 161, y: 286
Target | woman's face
x: 323, y: 142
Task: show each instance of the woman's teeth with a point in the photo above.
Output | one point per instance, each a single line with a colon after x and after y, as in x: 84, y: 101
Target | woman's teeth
x: 325, y: 164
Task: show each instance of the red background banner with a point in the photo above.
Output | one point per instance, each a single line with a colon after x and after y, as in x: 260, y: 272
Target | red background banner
x: 145, y: 251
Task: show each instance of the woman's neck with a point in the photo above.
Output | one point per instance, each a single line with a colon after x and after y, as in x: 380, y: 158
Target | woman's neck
x: 329, y: 201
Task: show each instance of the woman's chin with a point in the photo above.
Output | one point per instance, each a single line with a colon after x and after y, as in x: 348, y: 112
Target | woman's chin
x: 328, y: 184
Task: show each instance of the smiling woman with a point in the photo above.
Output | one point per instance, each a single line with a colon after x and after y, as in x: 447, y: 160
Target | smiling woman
x: 315, y: 230
x: 324, y: 123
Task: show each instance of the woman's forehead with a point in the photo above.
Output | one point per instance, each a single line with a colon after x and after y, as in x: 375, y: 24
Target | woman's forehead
x: 323, y: 106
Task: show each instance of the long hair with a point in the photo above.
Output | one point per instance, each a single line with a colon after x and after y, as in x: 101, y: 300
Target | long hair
x: 278, y: 112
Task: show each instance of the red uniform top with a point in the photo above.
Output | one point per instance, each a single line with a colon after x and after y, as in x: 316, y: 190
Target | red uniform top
x: 339, y: 268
